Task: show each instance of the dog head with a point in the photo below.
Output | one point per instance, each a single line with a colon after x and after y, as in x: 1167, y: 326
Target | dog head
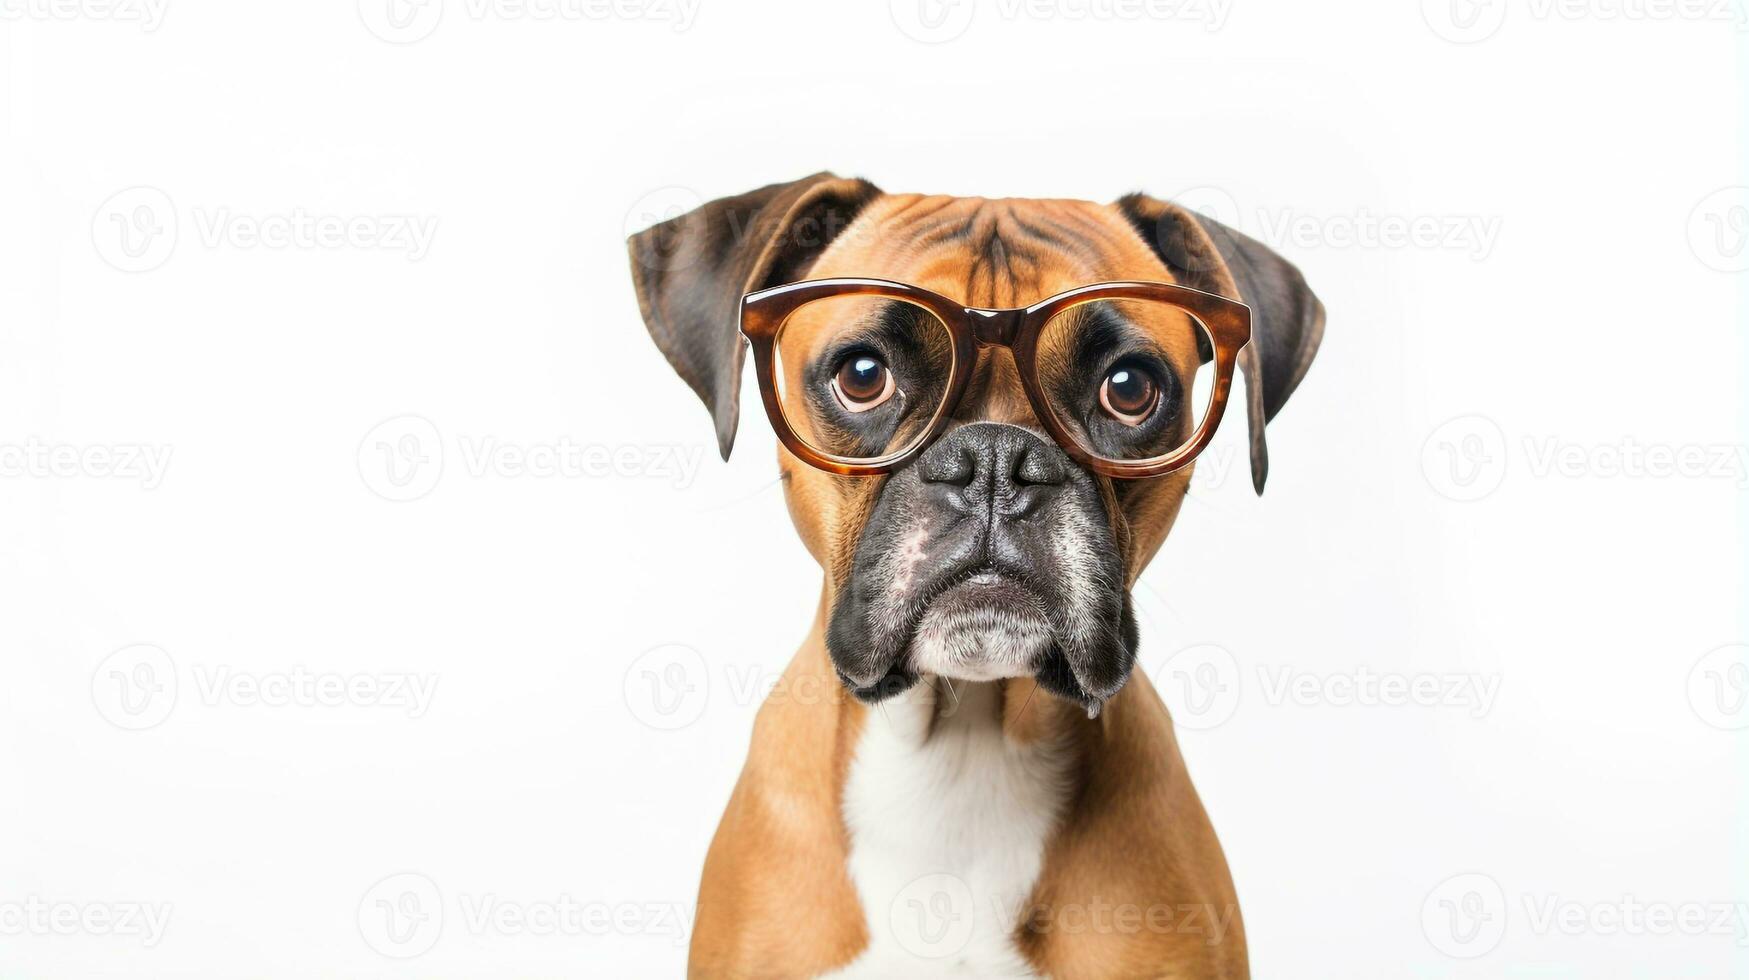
x: 992, y: 553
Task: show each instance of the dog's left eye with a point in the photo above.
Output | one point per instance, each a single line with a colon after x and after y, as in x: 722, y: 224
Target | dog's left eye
x: 862, y: 382
x: 1129, y: 393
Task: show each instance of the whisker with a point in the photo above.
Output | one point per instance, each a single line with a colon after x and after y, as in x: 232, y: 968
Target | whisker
x: 1026, y: 704
x: 746, y: 498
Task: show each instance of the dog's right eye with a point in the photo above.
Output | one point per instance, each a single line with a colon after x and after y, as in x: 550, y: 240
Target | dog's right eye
x: 1128, y: 393
x: 862, y: 382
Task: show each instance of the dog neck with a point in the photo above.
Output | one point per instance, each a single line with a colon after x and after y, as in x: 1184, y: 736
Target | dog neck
x: 1014, y: 794
x: 964, y: 783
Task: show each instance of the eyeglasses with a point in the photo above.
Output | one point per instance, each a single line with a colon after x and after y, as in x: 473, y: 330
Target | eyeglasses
x: 858, y: 376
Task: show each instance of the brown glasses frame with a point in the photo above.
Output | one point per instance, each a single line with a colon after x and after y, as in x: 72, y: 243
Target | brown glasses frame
x: 1227, y: 322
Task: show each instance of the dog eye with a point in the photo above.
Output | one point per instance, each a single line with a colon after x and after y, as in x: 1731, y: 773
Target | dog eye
x: 862, y: 382
x: 1129, y: 393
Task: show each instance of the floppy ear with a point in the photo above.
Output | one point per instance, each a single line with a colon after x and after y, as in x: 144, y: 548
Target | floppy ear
x: 1287, y: 321
x: 690, y: 273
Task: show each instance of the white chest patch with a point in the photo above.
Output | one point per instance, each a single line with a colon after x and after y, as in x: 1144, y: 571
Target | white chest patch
x: 948, y: 823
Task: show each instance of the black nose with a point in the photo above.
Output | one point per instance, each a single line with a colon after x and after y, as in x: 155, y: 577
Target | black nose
x: 994, y: 468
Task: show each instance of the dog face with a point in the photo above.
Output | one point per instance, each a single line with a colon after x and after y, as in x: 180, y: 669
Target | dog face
x: 992, y: 554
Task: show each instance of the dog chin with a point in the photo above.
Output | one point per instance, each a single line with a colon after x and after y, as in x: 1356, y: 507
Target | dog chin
x: 984, y: 629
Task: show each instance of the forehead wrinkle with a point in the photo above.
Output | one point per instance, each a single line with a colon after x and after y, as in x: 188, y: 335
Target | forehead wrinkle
x: 995, y: 253
x: 1042, y: 227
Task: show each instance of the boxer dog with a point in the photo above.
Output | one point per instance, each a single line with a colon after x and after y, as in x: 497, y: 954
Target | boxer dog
x: 961, y: 776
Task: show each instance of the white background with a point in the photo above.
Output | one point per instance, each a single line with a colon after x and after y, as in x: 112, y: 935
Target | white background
x: 1599, y: 319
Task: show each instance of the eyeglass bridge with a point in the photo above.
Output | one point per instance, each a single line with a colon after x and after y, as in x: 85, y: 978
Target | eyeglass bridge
x: 995, y: 327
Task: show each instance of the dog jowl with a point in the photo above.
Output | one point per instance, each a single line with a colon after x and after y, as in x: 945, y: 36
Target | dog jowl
x: 992, y: 556
x: 988, y: 412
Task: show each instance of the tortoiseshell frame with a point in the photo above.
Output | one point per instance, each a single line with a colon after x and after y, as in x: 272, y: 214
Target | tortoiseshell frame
x: 1227, y: 322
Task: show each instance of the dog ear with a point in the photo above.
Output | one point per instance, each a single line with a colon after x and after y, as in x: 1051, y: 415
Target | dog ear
x: 691, y: 271
x: 1287, y: 321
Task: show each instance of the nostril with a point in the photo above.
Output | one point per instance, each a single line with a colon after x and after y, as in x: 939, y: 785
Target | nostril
x: 952, y: 464
x: 1033, y: 469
